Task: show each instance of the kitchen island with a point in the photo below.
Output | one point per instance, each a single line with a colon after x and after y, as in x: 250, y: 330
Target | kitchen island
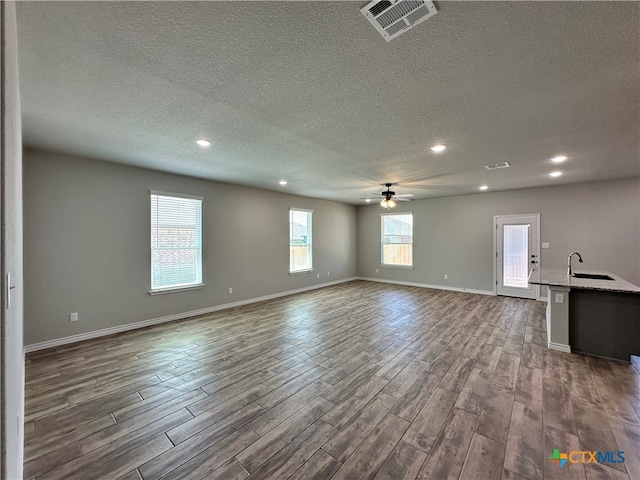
x: 592, y: 316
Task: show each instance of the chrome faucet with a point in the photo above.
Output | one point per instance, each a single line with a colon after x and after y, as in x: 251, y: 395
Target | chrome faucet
x: 569, y: 261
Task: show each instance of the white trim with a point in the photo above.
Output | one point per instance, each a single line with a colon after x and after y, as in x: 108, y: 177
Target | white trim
x: 21, y: 411
x: 397, y: 213
x: 426, y: 285
x: 169, y: 318
x: 300, y: 272
x: 561, y: 347
x: 300, y: 210
x: 177, y: 195
x: 163, y: 291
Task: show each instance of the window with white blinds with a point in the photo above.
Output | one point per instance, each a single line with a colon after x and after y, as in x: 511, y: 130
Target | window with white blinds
x: 176, y: 241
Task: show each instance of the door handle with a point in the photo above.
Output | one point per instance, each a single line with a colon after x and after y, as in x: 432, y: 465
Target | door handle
x: 9, y: 288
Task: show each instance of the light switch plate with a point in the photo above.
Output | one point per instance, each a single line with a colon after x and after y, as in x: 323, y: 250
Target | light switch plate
x: 559, y: 297
x: 545, y: 244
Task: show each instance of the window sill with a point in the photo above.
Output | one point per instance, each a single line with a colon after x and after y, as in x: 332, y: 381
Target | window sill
x: 402, y: 267
x: 164, y: 291
x: 300, y: 272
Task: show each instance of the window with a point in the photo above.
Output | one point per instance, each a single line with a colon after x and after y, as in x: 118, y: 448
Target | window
x: 515, y: 255
x: 176, y: 241
x: 397, y: 239
x: 300, y: 255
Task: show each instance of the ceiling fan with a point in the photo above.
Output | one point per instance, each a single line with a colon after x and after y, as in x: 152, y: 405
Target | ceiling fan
x: 389, y: 198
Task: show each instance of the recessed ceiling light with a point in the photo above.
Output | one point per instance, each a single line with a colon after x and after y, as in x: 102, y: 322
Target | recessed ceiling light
x: 282, y: 182
x: 559, y: 159
x: 555, y: 174
x: 438, y: 148
x: 483, y: 187
x: 203, y: 142
x: 368, y: 200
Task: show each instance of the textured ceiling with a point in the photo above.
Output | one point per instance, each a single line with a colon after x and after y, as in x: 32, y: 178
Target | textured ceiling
x: 310, y: 92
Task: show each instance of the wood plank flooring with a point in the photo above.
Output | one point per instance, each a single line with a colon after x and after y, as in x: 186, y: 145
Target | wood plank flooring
x: 356, y: 381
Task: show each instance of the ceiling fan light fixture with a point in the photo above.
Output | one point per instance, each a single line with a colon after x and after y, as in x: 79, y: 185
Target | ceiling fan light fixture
x: 387, y: 203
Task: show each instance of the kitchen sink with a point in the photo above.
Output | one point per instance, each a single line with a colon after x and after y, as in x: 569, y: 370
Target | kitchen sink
x: 593, y: 276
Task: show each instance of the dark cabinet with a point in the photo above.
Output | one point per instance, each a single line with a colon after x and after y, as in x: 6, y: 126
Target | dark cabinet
x: 605, y: 324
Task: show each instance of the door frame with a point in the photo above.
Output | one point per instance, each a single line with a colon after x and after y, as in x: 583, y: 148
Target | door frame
x: 535, y: 240
x: 12, y: 356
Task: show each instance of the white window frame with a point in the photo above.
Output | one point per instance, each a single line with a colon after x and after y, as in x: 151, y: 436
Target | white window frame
x: 309, y: 267
x: 382, y: 242
x: 177, y: 287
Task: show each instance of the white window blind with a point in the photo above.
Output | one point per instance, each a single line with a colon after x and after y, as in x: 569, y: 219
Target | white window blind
x: 397, y: 239
x: 300, y: 253
x: 176, y: 241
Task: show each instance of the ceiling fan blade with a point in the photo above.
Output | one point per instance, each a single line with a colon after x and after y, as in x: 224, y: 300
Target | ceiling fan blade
x: 404, y: 195
x: 402, y: 199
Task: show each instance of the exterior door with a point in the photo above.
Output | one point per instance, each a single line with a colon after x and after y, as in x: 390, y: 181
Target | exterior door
x: 517, y: 241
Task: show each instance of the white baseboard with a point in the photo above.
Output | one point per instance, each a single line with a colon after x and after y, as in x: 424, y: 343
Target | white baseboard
x: 561, y: 347
x: 426, y: 285
x: 21, y: 415
x: 170, y: 318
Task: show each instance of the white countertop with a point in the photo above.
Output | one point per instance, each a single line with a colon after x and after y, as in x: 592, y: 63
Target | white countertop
x: 558, y: 277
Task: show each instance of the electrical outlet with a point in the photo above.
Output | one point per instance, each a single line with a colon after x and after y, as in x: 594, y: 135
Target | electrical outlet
x: 377, y: 270
x: 230, y: 291
x: 446, y: 277
x: 559, y: 298
x: 73, y: 317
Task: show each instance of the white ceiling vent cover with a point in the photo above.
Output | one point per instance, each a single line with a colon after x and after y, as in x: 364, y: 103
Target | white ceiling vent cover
x: 495, y: 166
x: 394, y: 17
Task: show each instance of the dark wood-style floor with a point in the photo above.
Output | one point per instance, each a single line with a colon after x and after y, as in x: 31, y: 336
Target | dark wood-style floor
x: 356, y: 381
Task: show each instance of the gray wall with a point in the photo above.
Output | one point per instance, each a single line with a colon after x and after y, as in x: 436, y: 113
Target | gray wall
x: 11, y: 344
x: 87, y: 240
x: 454, y: 235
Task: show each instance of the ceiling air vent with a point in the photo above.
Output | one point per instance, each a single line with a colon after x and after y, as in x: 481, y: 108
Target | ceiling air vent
x: 394, y: 17
x: 494, y: 166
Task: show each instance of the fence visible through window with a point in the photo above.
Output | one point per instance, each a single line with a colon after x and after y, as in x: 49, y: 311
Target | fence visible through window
x: 397, y: 239
x: 300, y: 240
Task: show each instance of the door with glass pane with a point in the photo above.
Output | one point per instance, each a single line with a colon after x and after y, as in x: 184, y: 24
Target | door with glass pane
x: 517, y: 241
